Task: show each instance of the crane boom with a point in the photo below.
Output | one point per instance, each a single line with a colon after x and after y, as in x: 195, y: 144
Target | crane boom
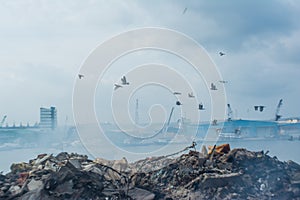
x: 229, y: 112
x: 166, y: 125
x: 3, y: 120
x: 277, y: 116
x: 170, y: 116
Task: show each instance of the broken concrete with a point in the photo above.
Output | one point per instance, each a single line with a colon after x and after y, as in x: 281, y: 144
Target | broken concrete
x: 219, y: 174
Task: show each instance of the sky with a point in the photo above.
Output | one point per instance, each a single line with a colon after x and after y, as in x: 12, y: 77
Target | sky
x: 44, y: 44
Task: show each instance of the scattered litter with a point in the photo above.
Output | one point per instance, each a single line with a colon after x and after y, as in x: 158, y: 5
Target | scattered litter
x: 220, y: 173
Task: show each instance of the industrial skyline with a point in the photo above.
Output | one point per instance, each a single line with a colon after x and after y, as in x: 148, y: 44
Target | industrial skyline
x: 44, y: 44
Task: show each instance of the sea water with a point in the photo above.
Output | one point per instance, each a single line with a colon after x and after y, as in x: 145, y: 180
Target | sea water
x: 21, y: 148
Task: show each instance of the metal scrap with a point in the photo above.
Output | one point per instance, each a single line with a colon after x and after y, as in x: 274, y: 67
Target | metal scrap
x: 229, y: 174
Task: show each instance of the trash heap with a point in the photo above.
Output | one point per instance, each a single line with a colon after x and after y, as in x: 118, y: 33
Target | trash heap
x: 219, y: 174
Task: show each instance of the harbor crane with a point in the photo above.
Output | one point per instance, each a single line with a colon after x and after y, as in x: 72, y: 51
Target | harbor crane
x: 3, y: 120
x: 229, y: 112
x: 167, y: 124
x: 277, y: 116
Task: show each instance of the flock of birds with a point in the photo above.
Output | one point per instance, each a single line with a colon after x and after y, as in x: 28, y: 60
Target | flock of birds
x: 124, y: 82
x: 259, y: 108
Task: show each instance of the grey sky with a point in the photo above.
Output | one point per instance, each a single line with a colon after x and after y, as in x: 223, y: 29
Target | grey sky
x: 43, y: 44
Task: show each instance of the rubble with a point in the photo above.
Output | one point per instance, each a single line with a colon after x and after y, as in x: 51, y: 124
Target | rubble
x: 219, y: 174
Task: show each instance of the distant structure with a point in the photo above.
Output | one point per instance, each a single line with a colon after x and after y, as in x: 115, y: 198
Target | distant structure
x: 136, y: 117
x: 277, y: 116
x: 3, y: 120
x: 259, y: 108
x: 229, y: 112
x: 213, y: 86
x: 48, y: 117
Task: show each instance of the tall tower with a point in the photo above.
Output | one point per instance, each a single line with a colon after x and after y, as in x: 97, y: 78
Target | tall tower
x: 136, y: 116
x: 48, y: 117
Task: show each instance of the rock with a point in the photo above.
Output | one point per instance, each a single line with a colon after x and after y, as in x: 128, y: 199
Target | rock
x: 66, y: 188
x: 216, y: 180
x: 262, y: 187
x: 14, y: 190
x: 33, y: 185
x: 141, y: 194
x: 103, y: 161
x: 293, y: 165
x: 204, y: 150
x: 195, y: 195
x: 2, y: 177
x: 50, y: 166
x: 235, y: 174
x: 120, y: 165
x: 296, y: 191
x: 20, y: 167
x: 41, y: 159
x: 62, y: 156
x: 22, y: 178
x: 76, y: 163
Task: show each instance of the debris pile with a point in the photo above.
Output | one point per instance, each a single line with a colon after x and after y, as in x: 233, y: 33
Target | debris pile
x: 220, y: 174
x: 238, y: 174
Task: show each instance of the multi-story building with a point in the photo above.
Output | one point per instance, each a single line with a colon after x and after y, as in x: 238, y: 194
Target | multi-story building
x: 48, y: 117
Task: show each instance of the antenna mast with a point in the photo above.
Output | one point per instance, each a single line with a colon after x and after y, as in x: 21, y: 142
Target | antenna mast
x: 136, y: 117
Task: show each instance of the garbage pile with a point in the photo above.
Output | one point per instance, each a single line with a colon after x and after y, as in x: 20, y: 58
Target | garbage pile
x: 219, y: 173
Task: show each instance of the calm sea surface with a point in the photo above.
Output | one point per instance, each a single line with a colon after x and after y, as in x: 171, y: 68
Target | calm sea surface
x: 17, y: 151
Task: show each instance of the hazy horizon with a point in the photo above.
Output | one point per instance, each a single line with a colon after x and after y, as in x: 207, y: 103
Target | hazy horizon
x: 45, y: 43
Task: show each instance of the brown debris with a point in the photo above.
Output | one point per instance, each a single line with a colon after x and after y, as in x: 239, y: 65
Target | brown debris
x: 221, y: 149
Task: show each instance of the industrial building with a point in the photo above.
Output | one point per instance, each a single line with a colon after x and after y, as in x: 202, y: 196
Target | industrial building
x: 48, y: 117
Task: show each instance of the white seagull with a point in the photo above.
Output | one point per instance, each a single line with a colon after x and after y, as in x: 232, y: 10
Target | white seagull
x: 177, y: 93
x: 124, y: 81
x: 223, y: 81
x: 191, y: 95
x: 117, y: 86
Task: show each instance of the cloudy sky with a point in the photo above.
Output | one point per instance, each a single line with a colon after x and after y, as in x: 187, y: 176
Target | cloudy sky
x: 44, y: 43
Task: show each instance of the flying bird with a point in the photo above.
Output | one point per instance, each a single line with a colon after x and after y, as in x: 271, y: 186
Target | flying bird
x: 259, y: 108
x: 80, y: 76
x: 185, y: 9
x: 213, y: 86
x: 117, y: 86
x: 177, y: 93
x: 223, y: 81
x: 178, y: 103
x: 201, y: 107
x: 124, y: 81
x: 221, y: 53
x: 191, y: 95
